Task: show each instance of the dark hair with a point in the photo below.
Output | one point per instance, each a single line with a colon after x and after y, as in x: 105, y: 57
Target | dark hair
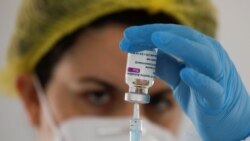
x: 48, y: 62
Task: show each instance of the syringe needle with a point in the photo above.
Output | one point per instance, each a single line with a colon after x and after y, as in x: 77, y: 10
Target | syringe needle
x: 136, y: 111
x: 135, y: 124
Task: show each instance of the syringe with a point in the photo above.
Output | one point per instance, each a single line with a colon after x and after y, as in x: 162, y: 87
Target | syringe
x: 140, y: 73
x: 135, y: 124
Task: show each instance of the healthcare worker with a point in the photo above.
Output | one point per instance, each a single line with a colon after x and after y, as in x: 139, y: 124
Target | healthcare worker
x: 65, y: 64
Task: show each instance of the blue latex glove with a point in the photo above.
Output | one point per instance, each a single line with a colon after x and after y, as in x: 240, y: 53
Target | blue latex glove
x: 205, y: 82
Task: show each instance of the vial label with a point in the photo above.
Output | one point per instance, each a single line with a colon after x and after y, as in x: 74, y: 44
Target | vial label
x: 141, y: 67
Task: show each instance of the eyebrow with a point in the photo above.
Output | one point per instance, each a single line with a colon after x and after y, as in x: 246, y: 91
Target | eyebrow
x: 104, y: 83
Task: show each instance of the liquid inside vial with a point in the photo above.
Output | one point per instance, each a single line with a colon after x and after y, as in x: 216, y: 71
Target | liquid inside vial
x: 140, y: 70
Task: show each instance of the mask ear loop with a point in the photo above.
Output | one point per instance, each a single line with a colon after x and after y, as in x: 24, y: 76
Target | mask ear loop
x: 47, y: 113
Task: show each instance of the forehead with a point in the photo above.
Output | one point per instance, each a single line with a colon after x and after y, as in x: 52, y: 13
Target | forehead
x: 97, y: 50
x: 96, y: 53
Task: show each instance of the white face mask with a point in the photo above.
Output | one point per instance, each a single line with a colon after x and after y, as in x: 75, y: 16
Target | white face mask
x: 107, y: 129
x: 96, y: 128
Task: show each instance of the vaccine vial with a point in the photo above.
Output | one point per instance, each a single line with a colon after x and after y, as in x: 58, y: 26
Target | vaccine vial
x: 140, y: 74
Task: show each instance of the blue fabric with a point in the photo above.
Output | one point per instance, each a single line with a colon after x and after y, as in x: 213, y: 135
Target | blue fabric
x: 205, y: 82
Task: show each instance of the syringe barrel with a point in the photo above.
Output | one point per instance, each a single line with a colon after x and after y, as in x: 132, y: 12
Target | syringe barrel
x: 135, y: 130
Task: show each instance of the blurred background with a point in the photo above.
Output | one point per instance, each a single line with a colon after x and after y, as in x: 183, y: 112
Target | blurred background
x: 233, y: 33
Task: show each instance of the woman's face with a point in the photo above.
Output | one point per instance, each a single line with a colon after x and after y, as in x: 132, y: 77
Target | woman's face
x: 89, y: 80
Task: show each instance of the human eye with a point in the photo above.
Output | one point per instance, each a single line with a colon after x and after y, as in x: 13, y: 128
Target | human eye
x: 95, y: 97
x: 160, y: 103
x: 98, y: 97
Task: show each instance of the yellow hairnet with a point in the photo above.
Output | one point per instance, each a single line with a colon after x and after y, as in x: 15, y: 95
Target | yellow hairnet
x: 41, y: 23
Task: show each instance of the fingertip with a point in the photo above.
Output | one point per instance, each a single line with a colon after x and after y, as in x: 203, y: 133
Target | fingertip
x: 130, y: 32
x: 187, y: 74
x: 156, y: 38
x: 161, y: 39
x: 143, y: 31
x: 190, y: 77
x: 124, y: 45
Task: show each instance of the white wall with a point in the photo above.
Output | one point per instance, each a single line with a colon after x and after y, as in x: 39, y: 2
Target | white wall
x: 234, y: 34
x: 14, y: 125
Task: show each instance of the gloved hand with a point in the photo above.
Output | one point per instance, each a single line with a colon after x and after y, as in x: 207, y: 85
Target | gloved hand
x: 205, y: 82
